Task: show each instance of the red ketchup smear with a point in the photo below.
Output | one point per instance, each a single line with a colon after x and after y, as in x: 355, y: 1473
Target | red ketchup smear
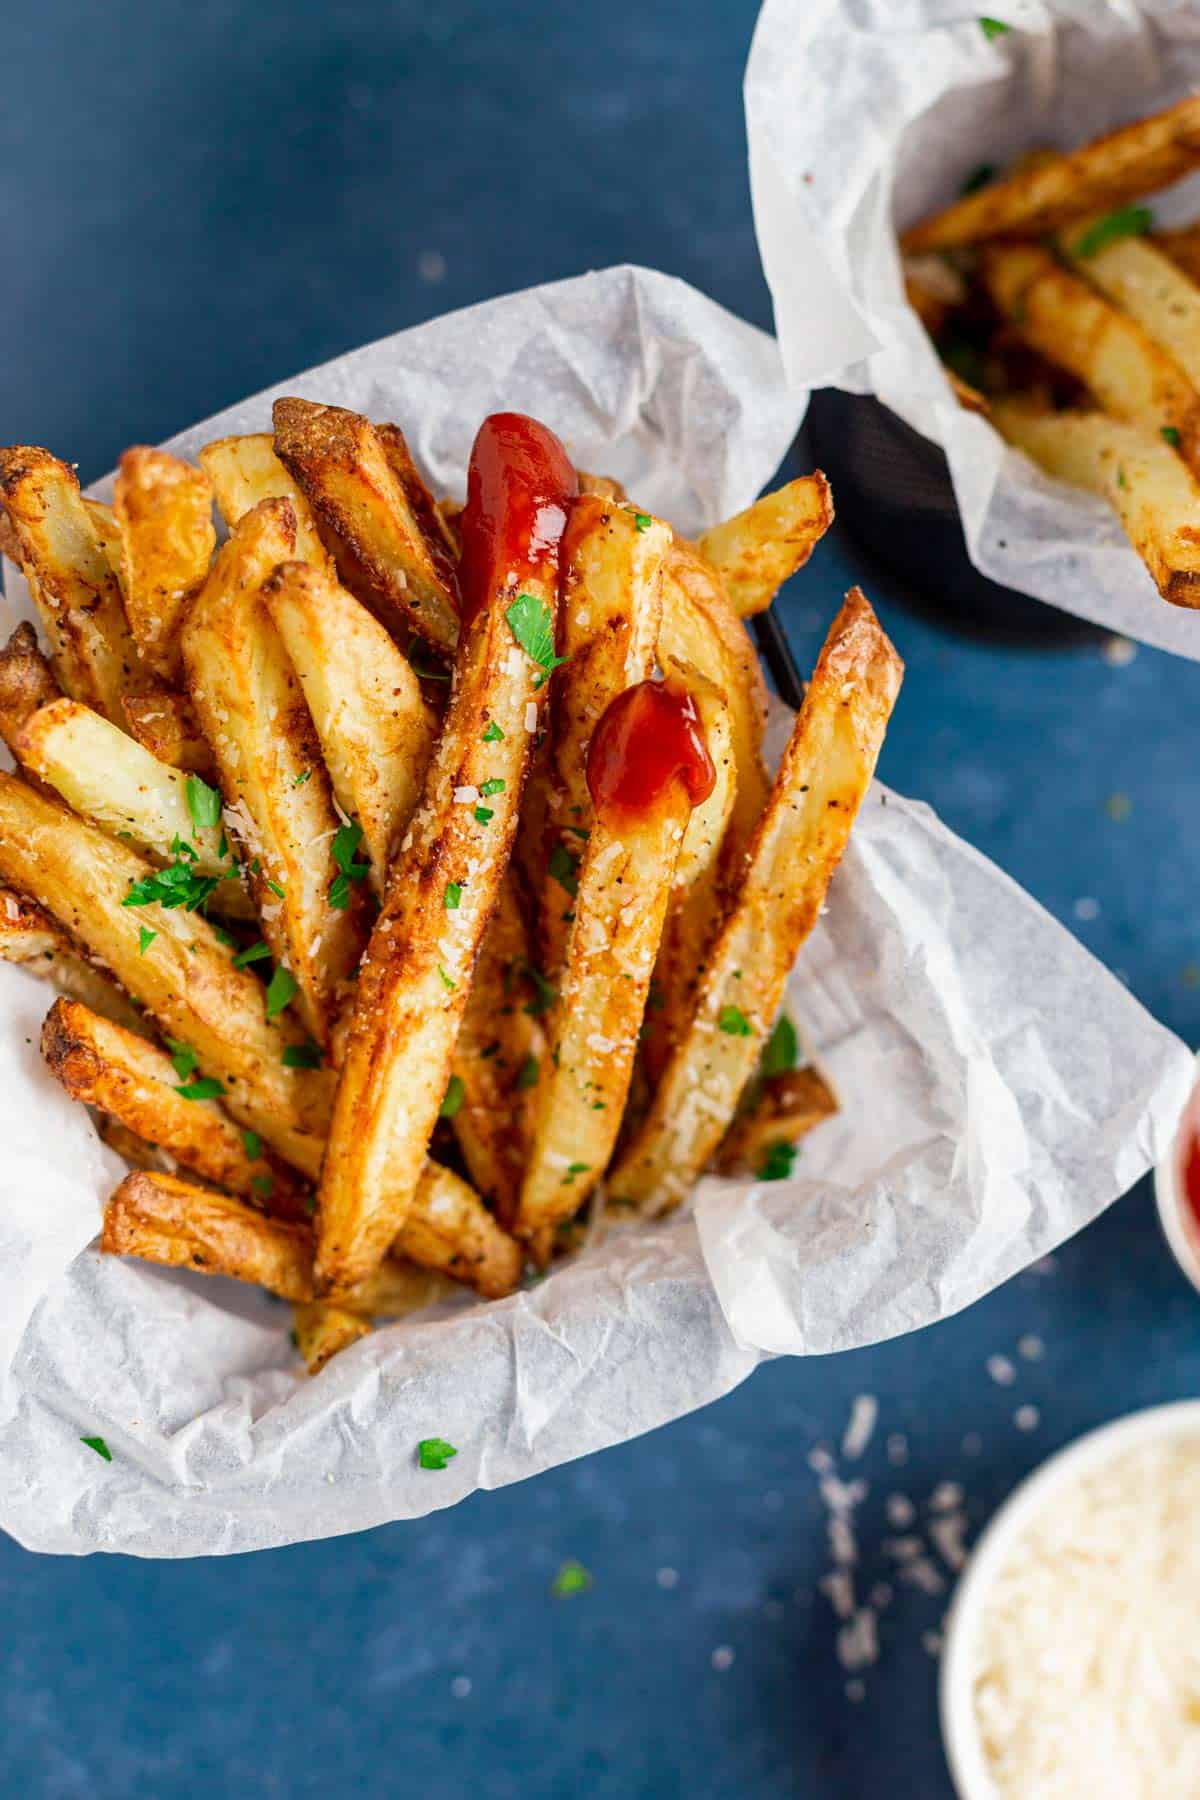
x: 649, y: 737
x: 1190, y: 1162
x: 520, y: 486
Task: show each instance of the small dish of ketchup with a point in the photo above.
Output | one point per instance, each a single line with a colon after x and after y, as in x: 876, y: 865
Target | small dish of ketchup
x: 1177, y: 1190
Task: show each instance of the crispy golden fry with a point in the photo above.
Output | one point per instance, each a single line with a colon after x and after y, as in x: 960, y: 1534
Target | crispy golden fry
x: 1142, y: 280
x: 497, y: 1057
x: 26, y: 683
x: 604, y: 485
x: 786, y: 1107
x: 425, y: 509
x: 108, y: 536
x: 624, y: 884
x: 245, y: 470
x: 105, y: 1066
x: 76, y: 592
x: 9, y: 543
x: 416, y: 976
x: 1155, y: 496
x: 165, y: 724
x: 705, y: 833
x: 756, y: 551
x: 1183, y: 248
x: 1067, y: 321
x: 374, y: 727
x: 184, y: 1226
x: 30, y: 938
x: 448, y: 1228
x: 137, y: 1151
x: 278, y: 801
x: 611, y: 609
x: 322, y: 1330
x: 108, y: 778
x: 822, y: 780
x: 338, y: 460
x: 396, y: 1288
x: 1051, y: 191
x: 163, y: 510
x: 185, y: 978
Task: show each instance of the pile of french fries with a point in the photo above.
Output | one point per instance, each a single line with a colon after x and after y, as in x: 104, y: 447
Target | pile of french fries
x: 1065, y: 316
x: 350, y: 969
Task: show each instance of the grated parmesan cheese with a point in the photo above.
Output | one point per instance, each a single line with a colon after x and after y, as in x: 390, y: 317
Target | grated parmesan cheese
x: 1087, y: 1683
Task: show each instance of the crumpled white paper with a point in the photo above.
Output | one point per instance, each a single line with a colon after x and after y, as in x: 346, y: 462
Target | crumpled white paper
x: 865, y: 115
x: 999, y: 1089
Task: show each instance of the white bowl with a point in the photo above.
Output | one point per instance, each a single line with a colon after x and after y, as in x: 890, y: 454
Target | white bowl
x: 1179, y: 1226
x: 960, y: 1726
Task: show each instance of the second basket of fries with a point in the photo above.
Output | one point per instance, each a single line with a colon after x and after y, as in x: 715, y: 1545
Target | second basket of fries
x: 1015, y: 240
x: 450, y: 1020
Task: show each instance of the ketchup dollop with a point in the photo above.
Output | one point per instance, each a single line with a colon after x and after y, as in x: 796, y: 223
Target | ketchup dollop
x: 520, y: 486
x: 1191, y: 1177
x: 648, y: 737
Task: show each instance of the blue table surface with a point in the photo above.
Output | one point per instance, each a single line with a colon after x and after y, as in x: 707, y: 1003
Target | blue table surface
x: 196, y: 201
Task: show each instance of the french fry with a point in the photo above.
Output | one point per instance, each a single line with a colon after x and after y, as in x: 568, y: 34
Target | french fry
x: 786, y: 1107
x: 184, y: 1226
x: 1069, y: 322
x: 1052, y: 190
x: 108, y: 536
x: 277, y: 795
x: 322, y: 1330
x: 1183, y: 248
x: 340, y: 464
x: 1147, y: 285
x: 624, y: 884
x: 245, y: 470
x: 108, y: 778
x: 1155, y: 496
x: 165, y: 723
x: 185, y: 978
x: 498, y: 1057
x: 759, y: 549
x: 105, y: 1066
x: 397, y: 1288
x: 604, y: 485
x: 136, y: 1151
x: 416, y: 976
x: 822, y: 780
x: 375, y: 730
x: 77, y: 595
x: 26, y: 683
x: 163, y: 511
x: 425, y: 509
x: 611, y: 609
x: 448, y: 1228
x: 32, y: 940
x: 9, y: 542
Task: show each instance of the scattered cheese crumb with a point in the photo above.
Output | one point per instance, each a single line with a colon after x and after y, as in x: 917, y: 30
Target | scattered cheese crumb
x: 1031, y: 1348
x: 863, y: 1415
x: 947, y: 1496
x: 1001, y: 1371
x: 667, y: 1578
x: 900, y: 1511
x: 460, y: 1687
x: 466, y: 796
x: 897, y: 1449
x: 531, y: 715
x: 722, y: 1658
x: 1027, y: 1418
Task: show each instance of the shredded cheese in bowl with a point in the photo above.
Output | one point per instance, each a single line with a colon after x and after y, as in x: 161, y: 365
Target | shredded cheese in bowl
x: 1084, y: 1651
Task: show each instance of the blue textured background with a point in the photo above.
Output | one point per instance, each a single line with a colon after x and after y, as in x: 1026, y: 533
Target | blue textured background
x: 193, y: 202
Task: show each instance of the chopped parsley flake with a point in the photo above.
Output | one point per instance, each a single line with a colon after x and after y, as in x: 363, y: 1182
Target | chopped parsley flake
x: 452, y: 898
x: 734, y: 1023
x: 494, y: 786
x: 183, y: 1057
x: 978, y: 178
x: 572, y: 1578
x: 99, y: 1446
x: 1121, y: 478
x: 145, y: 938
x: 300, y: 779
x: 1127, y: 221
x: 1170, y: 435
x: 531, y: 624
x: 205, y: 1087
x: 993, y: 28
x: 176, y: 885
x: 277, y: 889
x: 643, y: 521
x: 223, y: 937
x: 527, y: 1074
x: 252, y: 1144
x: 777, y: 1163
x: 574, y: 1169
x: 562, y: 868
x: 446, y: 981
x: 346, y: 840
x: 782, y: 1049
x: 420, y: 668
x: 251, y: 954
x: 434, y: 1453
x: 546, y: 992
x: 204, y: 803
x: 302, y: 1056
x: 281, y: 991
x: 456, y: 1093
x: 484, y: 815
x: 492, y: 733
x: 262, y: 1184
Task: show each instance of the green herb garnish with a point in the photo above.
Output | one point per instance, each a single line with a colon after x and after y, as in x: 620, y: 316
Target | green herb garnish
x: 252, y: 1145
x: 494, y: 786
x: 1170, y: 434
x: 531, y: 624
x: 643, y: 521
x: 546, y: 992
x: 734, y: 1023
x: 574, y: 1169
x: 527, y: 1074
x: 302, y: 1056
x: 777, y: 1163
x: 452, y: 898
x: 456, y: 1093
x: 251, y: 954
x: 262, y: 1184
x: 346, y: 840
x: 492, y: 733
x: 204, y: 803
x: 446, y: 981
x: 281, y: 990
x: 562, y: 868
x: 99, y: 1446
x: 993, y: 28
x: 205, y: 1087
x: 1127, y: 221
x: 300, y: 779
x: 183, y: 1057
x: 782, y: 1049
x: 572, y: 1578
x: 176, y: 885
x: 277, y: 888
x: 145, y: 938
x: 978, y: 178
x: 434, y: 1453
x: 484, y: 815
